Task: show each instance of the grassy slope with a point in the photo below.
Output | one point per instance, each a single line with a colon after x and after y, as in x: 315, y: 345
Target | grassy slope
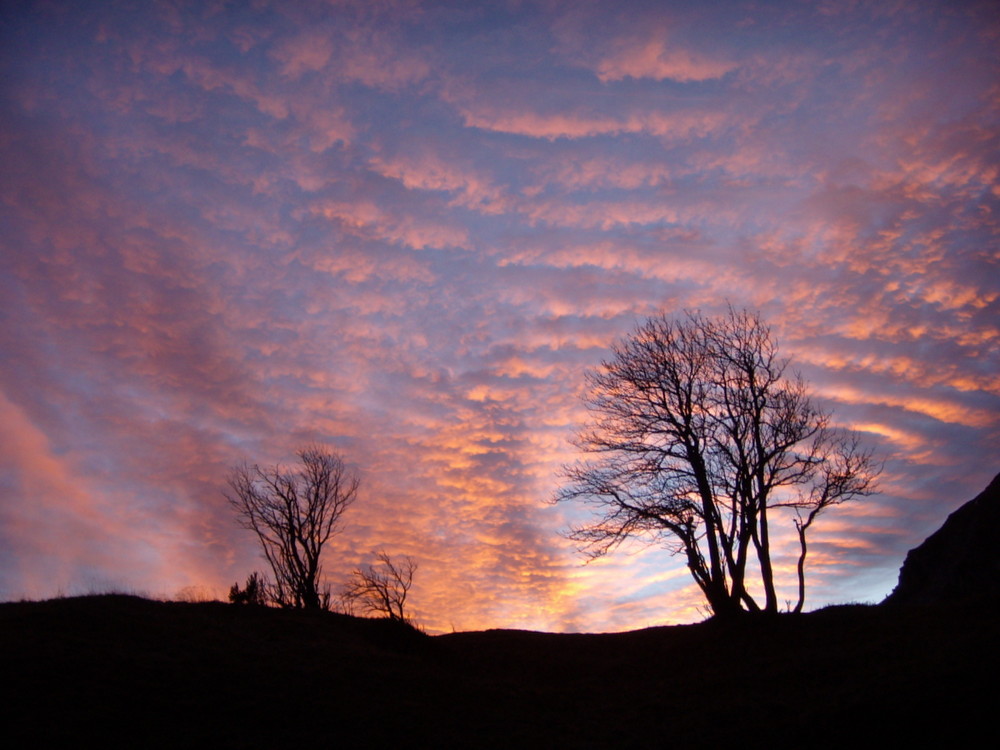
x: 130, y: 671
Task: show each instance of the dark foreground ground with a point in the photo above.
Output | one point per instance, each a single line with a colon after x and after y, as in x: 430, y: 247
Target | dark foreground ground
x: 124, y: 671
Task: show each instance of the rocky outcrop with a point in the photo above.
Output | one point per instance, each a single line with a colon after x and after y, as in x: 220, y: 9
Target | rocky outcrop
x: 960, y: 561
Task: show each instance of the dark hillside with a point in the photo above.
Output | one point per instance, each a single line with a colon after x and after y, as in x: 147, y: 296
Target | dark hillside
x: 958, y: 562
x: 128, y: 671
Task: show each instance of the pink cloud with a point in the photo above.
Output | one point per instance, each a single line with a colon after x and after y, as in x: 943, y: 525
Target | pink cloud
x: 659, y: 58
x: 427, y: 171
x: 356, y: 53
x: 309, y: 51
x: 667, y: 44
x: 368, y: 219
x: 601, y: 172
x: 551, y: 126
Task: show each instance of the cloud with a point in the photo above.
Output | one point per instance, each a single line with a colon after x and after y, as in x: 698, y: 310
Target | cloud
x: 370, y: 56
x: 406, y: 233
x: 470, y: 187
x: 659, y: 59
x: 365, y: 219
x: 673, y: 125
x: 309, y: 51
x: 669, y: 44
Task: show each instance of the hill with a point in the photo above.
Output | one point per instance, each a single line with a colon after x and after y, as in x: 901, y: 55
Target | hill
x: 128, y: 671
x: 958, y: 562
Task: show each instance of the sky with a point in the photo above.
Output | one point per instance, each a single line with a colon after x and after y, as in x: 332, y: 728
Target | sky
x: 406, y: 230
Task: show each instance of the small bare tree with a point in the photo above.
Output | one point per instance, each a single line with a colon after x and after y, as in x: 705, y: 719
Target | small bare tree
x: 294, y: 513
x: 382, y: 589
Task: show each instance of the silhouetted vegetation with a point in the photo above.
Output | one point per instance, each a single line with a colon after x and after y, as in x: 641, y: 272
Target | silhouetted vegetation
x: 701, y: 436
x: 254, y: 591
x: 294, y: 513
x: 381, y: 589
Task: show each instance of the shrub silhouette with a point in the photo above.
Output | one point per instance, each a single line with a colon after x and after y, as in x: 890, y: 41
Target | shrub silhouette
x: 254, y: 592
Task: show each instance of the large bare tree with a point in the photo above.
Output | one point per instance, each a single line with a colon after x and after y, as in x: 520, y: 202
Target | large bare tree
x: 294, y: 512
x: 700, y: 436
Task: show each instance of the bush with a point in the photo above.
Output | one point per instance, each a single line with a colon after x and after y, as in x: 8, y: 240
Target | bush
x: 254, y: 592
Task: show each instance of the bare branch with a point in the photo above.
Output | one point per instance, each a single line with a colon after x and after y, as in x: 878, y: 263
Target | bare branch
x: 381, y: 589
x: 294, y: 513
x: 699, y: 430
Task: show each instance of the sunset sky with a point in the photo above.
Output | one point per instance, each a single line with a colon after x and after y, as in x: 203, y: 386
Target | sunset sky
x: 405, y: 230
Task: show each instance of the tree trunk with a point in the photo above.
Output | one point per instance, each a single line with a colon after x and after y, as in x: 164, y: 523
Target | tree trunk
x: 709, y: 518
x: 801, y: 527
x: 766, y: 570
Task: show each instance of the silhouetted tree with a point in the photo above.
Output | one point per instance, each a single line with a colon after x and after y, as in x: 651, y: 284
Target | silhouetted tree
x: 382, y: 589
x: 294, y: 513
x: 699, y: 433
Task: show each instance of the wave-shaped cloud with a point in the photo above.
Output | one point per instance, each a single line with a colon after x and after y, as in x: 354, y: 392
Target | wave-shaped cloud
x: 407, y: 230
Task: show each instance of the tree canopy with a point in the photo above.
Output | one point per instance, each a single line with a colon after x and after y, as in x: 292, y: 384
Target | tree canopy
x: 700, y: 438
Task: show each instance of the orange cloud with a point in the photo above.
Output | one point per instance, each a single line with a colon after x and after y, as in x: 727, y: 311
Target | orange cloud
x: 940, y: 409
